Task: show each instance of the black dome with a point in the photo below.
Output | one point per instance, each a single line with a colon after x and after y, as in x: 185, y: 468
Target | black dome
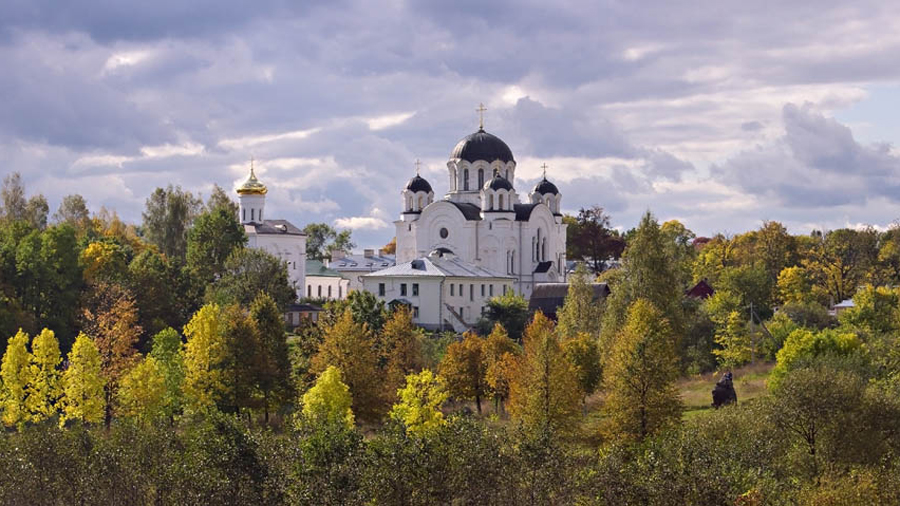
x: 482, y: 146
x: 418, y: 184
x: 544, y: 187
x: 498, y: 183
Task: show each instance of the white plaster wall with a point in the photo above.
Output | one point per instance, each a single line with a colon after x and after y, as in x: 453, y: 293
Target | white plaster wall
x: 290, y: 249
x: 339, y: 287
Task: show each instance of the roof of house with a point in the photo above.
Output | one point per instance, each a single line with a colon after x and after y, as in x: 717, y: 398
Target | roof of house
x: 272, y: 227
x: 447, y: 266
x: 315, y: 268
x: 362, y: 263
x: 549, y: 297
x: 303, y: 308
x: 543, y: 267
x: 845, y: 303
x: 702, y: 290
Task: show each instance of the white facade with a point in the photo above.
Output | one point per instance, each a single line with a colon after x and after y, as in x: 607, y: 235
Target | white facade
x: 481, y: 219
x: 444, y: 292
x: 324, y: 283
x: 353, y: 266
x: 277, y: 237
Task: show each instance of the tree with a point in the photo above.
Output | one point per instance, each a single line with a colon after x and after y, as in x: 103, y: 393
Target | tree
x: 273, y: 368
x: 803, y: 346
x: 36, y: 212
x: 584, y: 354
x: 680, y: 242
x: 44, y: 389
x: 793, y: 285
x: 544, y: 394
x: 204, y: 357
x: 839, y: 261
x: 349, y: 346
x: 219, y: 199
x: 509, y: 310
x: 244, y: 360
x: 142, y: 392
x: 322, y: 239
x: 500, y: 360
x: 400, y: 347
x: 16, y: 375
x: 463, y: 369
x: 737, y: 346
x: 590, y: 238
x: 581, y: 311
x: 249, y: 271
x: 104, y: 262
x: 391, y: 247
x: 168, y: 216
x: 640, y: 374
x: 83, y: 384
x: 215, y: 235
x: 164, y: 293
x: 419, y: 409
x: 775, y: 248
x: 74, y: 212
x: 12, y: 198
x: 168, y: 351
x: 111, y: 317
x: 328, y: 402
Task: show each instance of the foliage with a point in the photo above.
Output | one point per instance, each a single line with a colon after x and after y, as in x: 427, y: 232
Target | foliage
x: 419, y: 407
x: 803, y: 345
x: 247, y: 272
x: 142, y: 393
x: 500, y: 361
x: 328, y: 401
x: 322, y: 239
x: 580, y: 313
x: 509, y: 310
x: 273, y: 368
x: 215, y: 235
x: 364, y: 306
x: 16, y: 375
x: 639, y: 376
x: 400, y: 349
x: 794, y: 285
x: 83, y: 384
x: 590, y: 238
x: 204, y: 358
x: 44, y: 388
x: 104, y: 262
x: 736, y: 341
x: 584, y: 354
x: 168, y: 217
x: 168, y: 351
x: 164, y: 293
x: 464, y: 368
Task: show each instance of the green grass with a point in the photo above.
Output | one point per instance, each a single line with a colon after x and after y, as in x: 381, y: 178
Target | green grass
x: 696, y: 391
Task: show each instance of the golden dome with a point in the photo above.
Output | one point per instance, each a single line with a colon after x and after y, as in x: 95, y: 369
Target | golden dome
x: 252, y: 186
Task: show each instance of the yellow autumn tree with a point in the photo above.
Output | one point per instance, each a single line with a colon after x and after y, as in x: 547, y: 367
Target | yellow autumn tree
x: 83, y: 384
x: 419, y: 409
x: 205, y: 354
x: 142, y: 391
x: 500, y: 357
x: 15, y: 371
x: 328, y: 402
x: 544, y: 393
x: 44, y: 388
x: 640, y: 374
x: 400, y: 346
x: 463, y: 369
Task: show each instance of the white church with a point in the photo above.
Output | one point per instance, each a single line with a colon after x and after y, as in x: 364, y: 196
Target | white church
x: 481, y: 219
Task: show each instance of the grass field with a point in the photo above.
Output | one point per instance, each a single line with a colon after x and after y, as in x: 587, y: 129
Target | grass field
x: 696, y: 391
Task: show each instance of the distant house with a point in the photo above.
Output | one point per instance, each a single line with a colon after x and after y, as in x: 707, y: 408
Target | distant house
x: 842, y: 306
x: 296, y: 312
x: 701, y: 290
x: 324, y: 283
x: 549, y: 297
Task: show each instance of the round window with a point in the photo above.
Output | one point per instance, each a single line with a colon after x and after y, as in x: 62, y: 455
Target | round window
x: 444, y: 233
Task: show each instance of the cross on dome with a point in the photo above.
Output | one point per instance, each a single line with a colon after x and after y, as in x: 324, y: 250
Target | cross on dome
x: 480, y: 110
x: 544, y: 166
x: 418, y: 164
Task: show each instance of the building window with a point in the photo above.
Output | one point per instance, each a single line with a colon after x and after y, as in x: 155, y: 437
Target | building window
x: 340, y: 292
x: 244, y: 213
x: 482, y: 290
x: 329, y: 291
x: 381, y: 289
x: 491, y: 202
x: 504, y: 289
x: 466, y: 180
x: 452, y: 289
x: 480, y: 178
x: 319, y: 290
x: 403, y: 289
x: 462, y: 315
x: 461, y: 294
x: 309, y: 291
x: 415, y: 312
x: 512, y: 263
x: 500, y: 200
x: 491, y: 290
x: 252, y: 214
x: 415, y: 289
x: 444, y: 233
x: 472, y: 292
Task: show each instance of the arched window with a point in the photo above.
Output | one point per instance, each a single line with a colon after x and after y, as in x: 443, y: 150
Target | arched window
x: 512, y: 262
x: 544, y: 249
x: 320, y: 291
x: 466, y: 180
x: 340, y: 292
x: 453, y: 181
x: 491, y: 202
x: 480, y: 178
x: 420, y: 203
x: 309, y: 291
x: 329, y: 291
x: 533, y: 249
x: 252, y: 214
x: 244, y: 218
x: 501, y: 202
x: 409, y: 201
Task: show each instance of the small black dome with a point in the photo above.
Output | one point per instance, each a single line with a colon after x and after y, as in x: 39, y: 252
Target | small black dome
x: 482, y: 146
x: 498, y: 183
x: 544, y: 187
x: 418, y: 184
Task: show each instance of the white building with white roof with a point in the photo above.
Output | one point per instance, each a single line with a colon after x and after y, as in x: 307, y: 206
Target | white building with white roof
x: 443, y: 291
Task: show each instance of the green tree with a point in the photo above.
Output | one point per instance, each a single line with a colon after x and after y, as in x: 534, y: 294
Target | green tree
x: 364, y: 306
x: 249, y: 271
x: 16, y: 374
x: 419, y: 409
x: 349, y: 346
x: 273, y: 367
x: 164, y: 293
x: 584, y: 354
x: 168, y: 351
x: 74, y: 212
x: 142, y: 391
x: 544, y: 394
x: 83, y: 384
x: 804, y: 345
x: 215, y: 235
x: 591, y: 239
x: 104, y: 262
x: 737, y: 345
x: 463, y: 369
x: 328, y: 402
x: 204, y: 359
x: 509, y: 310
x: 400, y: 349
x: 244, y: 360
x: 581, y: 311
x: 793, y: 285
x: 640, y: 374
x: 13, y: 204
x: 219, y: 199
x: 44, y: 389
x: 168, y: 216
x: 322, y: 239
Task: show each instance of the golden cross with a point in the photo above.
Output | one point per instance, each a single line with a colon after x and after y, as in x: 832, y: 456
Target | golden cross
x: 545, y: 170
x: 481, y: 109
x: 251, y: 164
x: 418, y: 163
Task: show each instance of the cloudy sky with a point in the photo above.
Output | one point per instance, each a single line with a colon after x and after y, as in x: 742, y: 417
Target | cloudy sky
x: 721, y: 113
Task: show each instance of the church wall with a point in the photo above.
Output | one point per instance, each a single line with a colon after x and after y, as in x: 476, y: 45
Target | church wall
x: 290, y: 249
x: 326, y: 287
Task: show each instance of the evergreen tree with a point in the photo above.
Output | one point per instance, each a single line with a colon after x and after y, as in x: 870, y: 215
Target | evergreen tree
x: 83, y: 384
x: 273, y: 367
x: 463, y: 369
x: 640, y: 374
x: 142, y: 392
x: 328, y: 402
x: 544, y: 394
x: 419, y: 409
x: 44, y: 388
x: 349, y: 346
x: 16, y: 373
x: 581, y: 312
x: 204, y: 357
x: 168, y: 351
